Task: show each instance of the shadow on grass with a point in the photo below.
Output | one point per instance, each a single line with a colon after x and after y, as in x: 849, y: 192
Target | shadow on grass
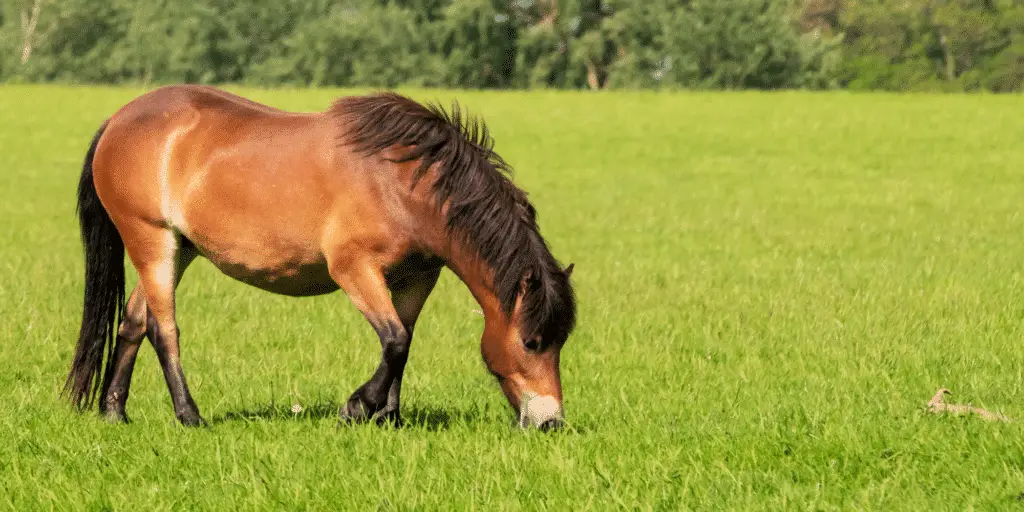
x: 415, y: 417
x: 280, y: 412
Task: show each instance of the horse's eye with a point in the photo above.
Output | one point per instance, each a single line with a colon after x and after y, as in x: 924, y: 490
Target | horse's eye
x: 533, y: 344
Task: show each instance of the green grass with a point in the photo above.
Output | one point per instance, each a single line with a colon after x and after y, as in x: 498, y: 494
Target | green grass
x: 771, y: 287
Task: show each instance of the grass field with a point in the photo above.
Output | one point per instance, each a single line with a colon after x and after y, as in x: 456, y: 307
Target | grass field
x: 771, y: 288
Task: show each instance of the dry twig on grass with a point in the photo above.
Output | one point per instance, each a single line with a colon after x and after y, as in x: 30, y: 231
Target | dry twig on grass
x: 937, y: 406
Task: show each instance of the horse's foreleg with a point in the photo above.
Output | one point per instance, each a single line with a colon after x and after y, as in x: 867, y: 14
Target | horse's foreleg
x: 408, y: 296
x: 367, y: 288
x: 118, y: 377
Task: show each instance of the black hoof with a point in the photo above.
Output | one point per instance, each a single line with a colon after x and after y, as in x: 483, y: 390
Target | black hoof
x: 112, y: 409
x: 388, y: 417
x: 192, y: 419
x: 355, y: 411
x: 115, y: 417
x: 359, y: 410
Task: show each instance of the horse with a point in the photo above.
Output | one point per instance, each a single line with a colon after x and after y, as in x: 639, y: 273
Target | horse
x: 374, y: 195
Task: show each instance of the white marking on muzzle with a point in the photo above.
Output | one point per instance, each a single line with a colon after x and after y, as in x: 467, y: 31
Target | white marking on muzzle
x: 536, y: 410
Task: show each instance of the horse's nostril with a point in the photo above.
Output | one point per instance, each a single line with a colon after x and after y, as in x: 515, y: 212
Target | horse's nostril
x: 552, y: 424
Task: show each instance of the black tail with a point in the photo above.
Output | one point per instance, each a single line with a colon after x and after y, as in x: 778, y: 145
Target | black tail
x: 104, y: 289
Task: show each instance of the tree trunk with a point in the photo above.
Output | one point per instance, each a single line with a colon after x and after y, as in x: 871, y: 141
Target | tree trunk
x: 28, y: 29
x: 593, y: 80
x: 947, y: 55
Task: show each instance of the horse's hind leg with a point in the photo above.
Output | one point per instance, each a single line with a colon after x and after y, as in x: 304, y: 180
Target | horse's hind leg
x: 118, y: 377
x: 161, y: 258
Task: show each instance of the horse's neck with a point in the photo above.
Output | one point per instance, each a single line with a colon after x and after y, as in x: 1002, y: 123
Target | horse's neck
x: 476, y: 275
x: 431, y: 230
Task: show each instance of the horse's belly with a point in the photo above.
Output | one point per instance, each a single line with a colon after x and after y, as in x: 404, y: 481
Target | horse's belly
x: 304, y: 281
x: 301, y: 275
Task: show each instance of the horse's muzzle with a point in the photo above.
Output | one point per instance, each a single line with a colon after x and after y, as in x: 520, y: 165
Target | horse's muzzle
x: 552, y: 425
x: 543, y: 412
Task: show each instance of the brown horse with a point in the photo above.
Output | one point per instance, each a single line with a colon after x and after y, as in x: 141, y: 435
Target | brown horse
x: 374, y: 195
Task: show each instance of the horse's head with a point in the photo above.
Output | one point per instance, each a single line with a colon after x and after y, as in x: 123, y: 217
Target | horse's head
x: 522, y: 350
x: 487, y: 234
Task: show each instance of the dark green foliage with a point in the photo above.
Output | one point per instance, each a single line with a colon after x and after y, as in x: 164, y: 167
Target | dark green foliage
x: 933, y: 45
x: 596, y: 44
x: 478, y: 40
x: 716, y: 44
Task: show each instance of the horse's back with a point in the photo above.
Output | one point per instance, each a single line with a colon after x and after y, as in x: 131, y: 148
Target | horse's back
x: 197, y: 97
x: 165, y: 141
x: 243, y: 182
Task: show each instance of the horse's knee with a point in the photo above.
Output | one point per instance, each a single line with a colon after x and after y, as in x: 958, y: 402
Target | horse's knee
x: 163, y: 332
x: 132, y: 329
x: 133, y: 325
x: 394, y: 339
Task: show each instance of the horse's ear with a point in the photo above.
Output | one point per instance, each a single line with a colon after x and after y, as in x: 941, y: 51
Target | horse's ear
x: 568, y: 270
x: 525, y: 282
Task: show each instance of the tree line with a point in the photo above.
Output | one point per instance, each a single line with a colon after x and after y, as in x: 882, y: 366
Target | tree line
x: 949, y: 45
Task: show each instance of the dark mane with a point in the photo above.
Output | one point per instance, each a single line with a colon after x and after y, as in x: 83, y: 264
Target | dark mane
x: 485, y: 209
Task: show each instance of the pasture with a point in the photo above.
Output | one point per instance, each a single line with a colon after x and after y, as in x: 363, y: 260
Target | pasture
x: 771, y: 286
